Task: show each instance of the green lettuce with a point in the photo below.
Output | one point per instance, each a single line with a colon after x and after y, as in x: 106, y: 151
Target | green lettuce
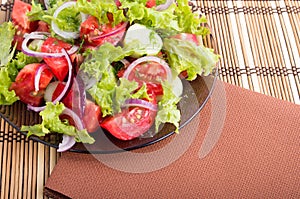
x: 110, y: 95
x: 18, y: 62
x: 100, y: 60
x: 7, y: 32
x: 52, y: 123
x: 168, y: 111
x: 7, y: 97
x: 177, y: 18
x: 100, y: 9
x: 184, y: 55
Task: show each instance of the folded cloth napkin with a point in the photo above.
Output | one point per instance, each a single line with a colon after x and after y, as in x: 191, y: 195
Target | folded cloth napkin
x: 242, y: 144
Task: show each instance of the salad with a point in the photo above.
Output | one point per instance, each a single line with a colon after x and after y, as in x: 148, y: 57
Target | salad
x: 112, y: 64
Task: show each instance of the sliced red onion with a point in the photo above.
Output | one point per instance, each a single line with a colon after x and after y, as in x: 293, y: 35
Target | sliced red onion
x: 140, y: 103
x: 147, y: 59
x: 64, y: 91
x: 35, y: 108
x: 78, y: 122
x: 67, y: 143
x: 164, y: 6
x: 57, y: 30
x: 42, y: 36
x: 37, y: 76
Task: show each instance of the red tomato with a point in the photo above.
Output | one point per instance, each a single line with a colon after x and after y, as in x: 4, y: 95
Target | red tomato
x: 151, y: 3
x: 131, y: 122
x: 59, y: 66
x: 21, y: 21
x: 24, y: 84
x: 20, y: 18
x: 91, y: 116
x: 94, y: 33
x: 43, y: 26
x: 151, y: 73
x: 67, y: 99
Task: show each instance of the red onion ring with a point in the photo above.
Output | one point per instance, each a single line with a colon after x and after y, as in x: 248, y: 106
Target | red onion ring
x: 164, y: 6
x: 65, y: 34
x: 77, y: 121
x: 140, y: 103
x: 147, y: 59
x: 63, y: 93
x: 37, y: 76
x: 67, y: 143
x: 42, y: 36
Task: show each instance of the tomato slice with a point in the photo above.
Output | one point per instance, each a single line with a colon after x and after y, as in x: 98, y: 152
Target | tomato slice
x: 24, y: 84
x: 131, y: 122
x: 20, y: 18
x: 21, y: 21
x: 59, y: 66
x: 91, y: 116
x: 151, y: 73
x: 67, y: 99
x: 95, y: 34
x: 151, y: 3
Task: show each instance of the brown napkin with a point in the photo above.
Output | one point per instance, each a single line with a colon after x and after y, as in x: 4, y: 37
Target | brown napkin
x: 257, y: 154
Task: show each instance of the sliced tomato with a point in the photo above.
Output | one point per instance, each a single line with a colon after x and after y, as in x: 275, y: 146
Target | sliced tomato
x: 24, y: 84
x: 67, y: 99
x: 20, y: 18
x: 43, y: 27
x: 59, y: 66
x: 91, y: 116
x: 151, y: 73
x: 131, y: 122
x: 151, y: 3
x: 95, y: 34
x: 21, y: 21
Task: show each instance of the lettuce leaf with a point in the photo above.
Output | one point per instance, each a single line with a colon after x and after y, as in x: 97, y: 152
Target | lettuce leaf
x: 52, y: 123
x: 100, y: 9
x: 19, y: 61
x: 167, y: 108
x: 100, y: 60
x: 7, y: 97
x: 187, y: 56
x: 7, y: 32
x: 177, y: 18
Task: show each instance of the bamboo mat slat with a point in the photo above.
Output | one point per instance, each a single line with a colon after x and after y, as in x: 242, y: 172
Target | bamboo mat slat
x: 259, y: 42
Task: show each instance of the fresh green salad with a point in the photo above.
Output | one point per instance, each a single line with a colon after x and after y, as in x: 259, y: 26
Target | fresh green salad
x: 117, y: 65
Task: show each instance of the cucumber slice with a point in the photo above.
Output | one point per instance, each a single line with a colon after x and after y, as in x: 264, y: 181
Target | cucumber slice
x: 144, y: 40
x: 177, y: 86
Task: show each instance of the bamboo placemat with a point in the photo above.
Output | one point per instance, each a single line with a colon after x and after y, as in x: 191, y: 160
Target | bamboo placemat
x: 259, y: 43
